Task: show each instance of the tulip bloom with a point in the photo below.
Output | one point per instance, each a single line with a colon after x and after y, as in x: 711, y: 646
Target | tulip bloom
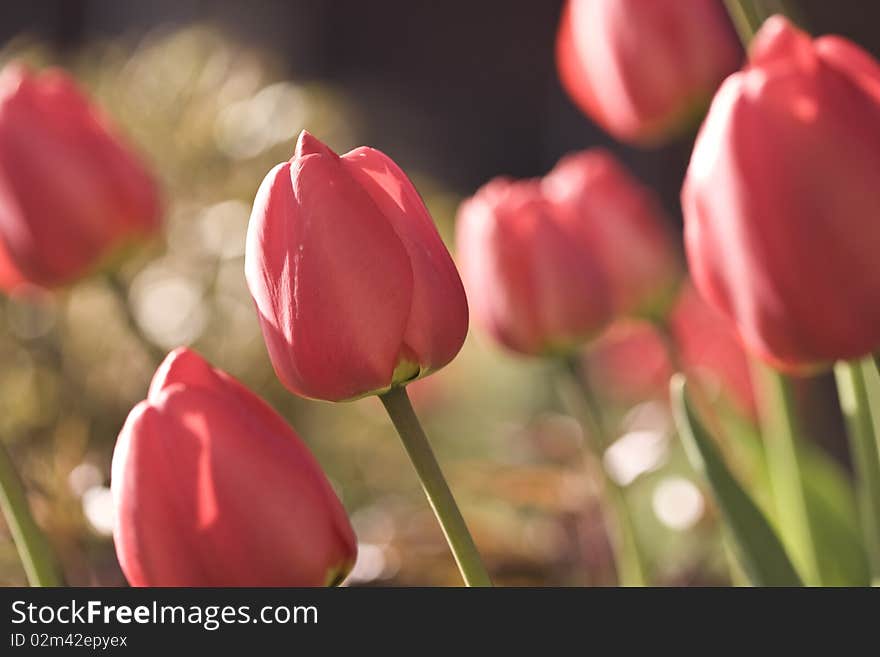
x: 710, y: 350
x: 631, y: 360
x: 625, y: 226
x: 533, y: 280
x: 642, y: 69
x: 354, y: 288
x: 212, y: 488
x: 547, y: 263
x: 781, y: 195
x: 70, y: 190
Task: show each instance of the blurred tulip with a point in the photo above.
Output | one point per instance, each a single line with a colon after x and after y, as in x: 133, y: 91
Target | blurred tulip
x: 629, y: 362
x: 533, y: 280
x: 354, y: 288
x: 10, y: 277
x: 643, y: 69
x: 631, y: 359
x: 212, y: 488
x: 710, y: 350
x: 70, y: 189
x: 625, y: 226
x: 781, y: 195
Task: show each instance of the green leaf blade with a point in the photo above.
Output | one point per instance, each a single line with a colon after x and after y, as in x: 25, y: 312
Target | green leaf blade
x: 761, y: 552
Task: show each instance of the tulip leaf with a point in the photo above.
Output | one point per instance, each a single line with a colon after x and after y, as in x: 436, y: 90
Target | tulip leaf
x: 758, y: 547
x: 831, y: 504
x: 829, y: 494
x: 855, y: 380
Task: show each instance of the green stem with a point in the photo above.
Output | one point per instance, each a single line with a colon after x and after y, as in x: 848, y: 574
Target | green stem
x: 854, y: 403
x: 780, y: 431
x: 749, y: 15
x: 436, y: 489
x: 744, y: 18
x: 738, y: 576
x: 628, y: 558
x: 33, y: 548
x: 120, y: 290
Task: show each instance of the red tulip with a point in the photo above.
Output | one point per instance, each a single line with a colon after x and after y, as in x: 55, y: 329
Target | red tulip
x: 710, y: 350
x: 643, y: 69
x: 625, y: 226
x: 70, y: 190
x: 532, y: 278
x: 354, y: 288
x: 10, y: 277
x: 781, y: 195
x: 213, y: 488
x: 630, y: 362
x: 631, y: 359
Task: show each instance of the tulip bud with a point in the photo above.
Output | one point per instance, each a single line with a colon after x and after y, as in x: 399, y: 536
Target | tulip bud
x: 710, y: 350
x: 626, y: 227
x: 70, y: 190
x: 631, y: 359
x: 644, y: 69
x: 780, y: 199
x: 532, y: 278
x: 630, y: 363
x: 354, y: 288
x: 212, y: 488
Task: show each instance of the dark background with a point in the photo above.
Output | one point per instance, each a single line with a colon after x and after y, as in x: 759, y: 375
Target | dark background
x: 465, y: 90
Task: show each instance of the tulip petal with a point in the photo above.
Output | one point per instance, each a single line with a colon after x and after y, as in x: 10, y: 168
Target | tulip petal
x: 778, y: 41
x: 574, y: 75
x: 847, y: 57
x: 153, y: 515
x: 126, y: 184
x: 573, y: 298
x: 308, y: 144
x: 245, y: 536
x: 260, y: 413
x: 497, y: 275
x: 621, y: 223
x: 642, y: 69
x: 331, y: 279
x: 10, y: 276
x: 534, y: 285
x: 182, y: 366
x: 437, y: 322
x: 709, y: 345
